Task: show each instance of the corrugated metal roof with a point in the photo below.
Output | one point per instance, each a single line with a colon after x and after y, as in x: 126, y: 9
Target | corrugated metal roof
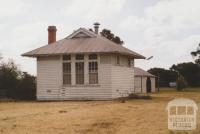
x: 94, y: 44
x: 141, y: 72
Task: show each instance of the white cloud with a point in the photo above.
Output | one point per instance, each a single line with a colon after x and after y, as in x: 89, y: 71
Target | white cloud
x: 93, y: 9
x: 23, y: 38
x: 169, y: 52
x: 168, y: 30
x: 135, y: 23
x: 10, y: 7
x: 174, y: 14
x: 179, y: 13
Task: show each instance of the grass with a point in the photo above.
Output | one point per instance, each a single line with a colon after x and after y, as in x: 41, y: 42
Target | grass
x: 135, y: 116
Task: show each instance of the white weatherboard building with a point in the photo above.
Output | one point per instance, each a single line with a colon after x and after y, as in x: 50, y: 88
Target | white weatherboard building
x: 83, y: 65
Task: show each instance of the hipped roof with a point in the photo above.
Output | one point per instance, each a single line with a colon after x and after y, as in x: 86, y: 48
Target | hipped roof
x: 89, y: 43
x: 140, y: 72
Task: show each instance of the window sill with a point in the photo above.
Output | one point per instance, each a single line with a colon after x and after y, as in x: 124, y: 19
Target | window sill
x: 85, y: 85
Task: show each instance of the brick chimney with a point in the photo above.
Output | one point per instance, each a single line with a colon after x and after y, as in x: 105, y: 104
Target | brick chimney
x: 96, y: 27
x: 51, y: 34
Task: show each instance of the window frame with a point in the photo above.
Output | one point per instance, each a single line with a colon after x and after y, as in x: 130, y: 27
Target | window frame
x: 79, y: 60
x: 117, y: 60
x: 77, y: 79
x: 77, y: 57
x: 67, y: 73
x: 93, y: 70
x: 69, y: 56
x: 92, y: 58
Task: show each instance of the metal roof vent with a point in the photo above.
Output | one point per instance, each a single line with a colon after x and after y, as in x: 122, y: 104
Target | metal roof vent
x: 96, y: 27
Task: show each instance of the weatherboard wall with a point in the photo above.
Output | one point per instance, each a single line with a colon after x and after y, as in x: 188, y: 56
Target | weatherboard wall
x: 140, y: 84
x: 48, y: 78
x: 114, y: 80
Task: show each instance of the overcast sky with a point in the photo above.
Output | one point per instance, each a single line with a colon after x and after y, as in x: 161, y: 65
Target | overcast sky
x: 167, y: 29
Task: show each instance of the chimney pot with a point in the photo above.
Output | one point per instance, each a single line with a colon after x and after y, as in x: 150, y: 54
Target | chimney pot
x: 51, y: 34
x: 96, y: 27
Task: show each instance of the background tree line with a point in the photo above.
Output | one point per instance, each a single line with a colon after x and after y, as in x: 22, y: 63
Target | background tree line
x: 189, y: 71
x: 15, y: 84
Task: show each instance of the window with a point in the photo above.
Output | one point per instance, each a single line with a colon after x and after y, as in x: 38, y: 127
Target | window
x: 79, y: 57
x: 93, y: 72
x: 117, y: 60
x: 67, y: 73
x: 92, y: 57
x: 93, y: 69
x: 79, y: 67
x: 66, y: 57
x: 67, y: 69
x: 131, y: 62
x: 79, y: 72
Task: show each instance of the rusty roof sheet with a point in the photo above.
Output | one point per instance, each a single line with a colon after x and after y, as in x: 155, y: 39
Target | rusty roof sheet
x: 95, y: 44
x: 140, y: 72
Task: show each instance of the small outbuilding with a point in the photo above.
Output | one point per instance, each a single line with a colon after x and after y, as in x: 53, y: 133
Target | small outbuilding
x: 144, y: 82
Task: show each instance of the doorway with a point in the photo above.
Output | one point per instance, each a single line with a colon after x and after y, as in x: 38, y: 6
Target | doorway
x: 148, y: 85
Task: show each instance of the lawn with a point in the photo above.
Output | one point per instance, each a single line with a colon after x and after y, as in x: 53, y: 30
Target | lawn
x: 92, y: 117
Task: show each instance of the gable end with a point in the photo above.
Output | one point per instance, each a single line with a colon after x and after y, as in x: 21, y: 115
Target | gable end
x: 82, y: 33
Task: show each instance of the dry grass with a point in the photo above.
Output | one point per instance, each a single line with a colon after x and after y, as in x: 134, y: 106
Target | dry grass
x: 92, y: 117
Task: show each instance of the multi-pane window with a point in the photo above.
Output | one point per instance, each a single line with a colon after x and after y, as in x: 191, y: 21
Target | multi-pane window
x: 67, y: 69
x: 117, y: 60
x: 79, y: 57
x: 67, y: 73
x: 92, y: 57
x: 66, y: 57
x: 79, y: 69
x: 79, y: 72
x: 93, y: 69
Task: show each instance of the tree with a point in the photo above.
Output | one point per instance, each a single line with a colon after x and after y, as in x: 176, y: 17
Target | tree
x: 196, y: 55
x: 27, y: 87
x: 9, y: 78
x: 165, y: 76
x: 15, y: 84
x: 109, y: 35
x: 190, y: 72
x: 180, y: 83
